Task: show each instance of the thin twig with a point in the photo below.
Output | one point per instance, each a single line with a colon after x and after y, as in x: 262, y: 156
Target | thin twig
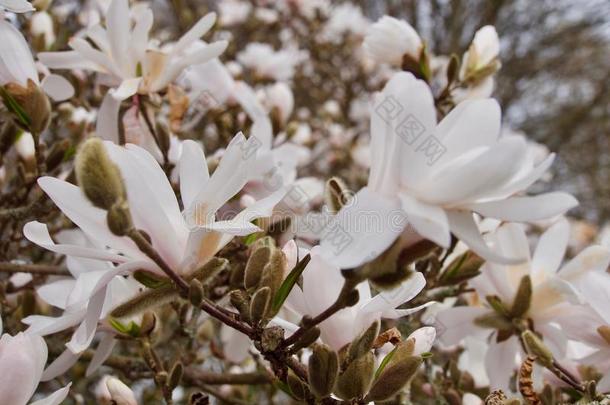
x: 42, y: 269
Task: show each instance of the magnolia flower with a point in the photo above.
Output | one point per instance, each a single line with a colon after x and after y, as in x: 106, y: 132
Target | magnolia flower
x: 17, y: 65
x: 120, y: 393
x: 22, y: 359
x: 322, y: 283
x: 345, y: 18
x: 436, y: 176
x: 390, y: 39
x: 479, y: 64
x: 268, y: 63
x: 554, y: 298
x: 184, y: 240
x: 233, y: 12
x: 279, y: 97
x: 126, y: 61
x: 16, y: 6
x: 89, y: 295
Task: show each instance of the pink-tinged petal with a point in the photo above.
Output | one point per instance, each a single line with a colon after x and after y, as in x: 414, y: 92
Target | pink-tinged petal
x: 261, y: 128
x: 403, y: 115
x: 430, y: 221
x: 554, y: 339
x: 128, y: 88
x: 362, y: 230
x: 463, y: 226
x: 83, y: 336
x: 604, y: 384
x: 38, y: 234
x: 471, y: 124
x: 107, y: 125
x: 57, y: 87
x: 22, y: 359
x: 46, y: 325
x: 102, y: 352
x: 387, y: 300
x: 60, y: 365
x: 510, y: 240
x: 526, y: 209
x: 551, y: 248
x: 500, y: 362
x: 88, y: 52
x: 56, y: 293
x: 197, y: 31
x: 424, y: 339
x: 68, y: 60
x: 457, y: 323
x: 15, y: 56
x: 595, y: 288
x: 194, y: 173
x: 91, y: 220
x: 56, y: 398
x: 154, y: 207
x: 119, y: 35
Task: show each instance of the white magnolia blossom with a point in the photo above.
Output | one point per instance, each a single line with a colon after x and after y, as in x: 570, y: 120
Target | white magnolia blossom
x: 24, y: 145
x: 390, y: 39
x: 322, y: 283
x: 126, y: 61
x: 41, y: 24
x: 268, y: 63
x: 435, y: 176
x: 22, y: 359
x: 17, y: 65
x: 185, y: 240
x: 120, y: 393
x: 344, y: 19
x: 280, y: 97
x: 16, y: 6
x: 556, y: 302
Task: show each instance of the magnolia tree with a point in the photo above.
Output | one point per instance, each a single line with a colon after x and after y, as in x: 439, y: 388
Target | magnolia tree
x: 278, y: 202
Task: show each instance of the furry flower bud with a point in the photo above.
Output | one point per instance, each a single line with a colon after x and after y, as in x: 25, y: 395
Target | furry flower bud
x: 29, y: 105
x: 356, y: 380
x: 323, y: 370
x: 98, y: 177
x: 536, y: 347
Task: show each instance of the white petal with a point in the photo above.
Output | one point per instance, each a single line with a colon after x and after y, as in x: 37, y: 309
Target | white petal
x: 592, y: 259
x: 393, y: 298
x: 362, y: 230
x: 107, y: 125
x: 193, y: 171
x: 15, y: 56
x: 139, y: 36
x: 57, y: 87
x: 128, y: 88
x: 102, y: 352
x: 117, y: 21
x: 551, y: 248
x: 500, y: 363
x: 526, y: 209
x: 430, y: 221
x: 55, y: 293
x: 17, y: 6
x: 82, y: 337
x: 457, y: 323
x: 60, y: 365
x: 38, y: 233
x: 88, y: 52
x: 463, y: 226
x: 55, y: 398
x: 400, y: 313
x: 197, y: 31
x: 46, y: 325
x: 68, y: 60
x: 424, y: 339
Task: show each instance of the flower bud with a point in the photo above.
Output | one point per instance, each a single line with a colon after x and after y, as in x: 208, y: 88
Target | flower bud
x: 336, y: 194
x: 364, y: 343
x: 118, y: 218
x: 30, y: 105
x: 323, y: 369
x: 279, y: 98
x: 482, y: 56
x: 393, y: 378
x: 260, y: 304
x: 296, y: 386
x: 41, y: 26
x: 149, y: 321
x: 390, y: 39
x: 175, y: 376
x: 196, y: 293
x: 120, y: 393
x: 255, y: 266
x: 25, y: 147
x: 307, y: 339
x: 241, y: 301
x: 98, y: 177
x: 356, y: 380
x: 537, y: 348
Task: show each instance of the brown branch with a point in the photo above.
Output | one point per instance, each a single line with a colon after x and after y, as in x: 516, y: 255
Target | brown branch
x: 195, y: 376
x: 39, y: 269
